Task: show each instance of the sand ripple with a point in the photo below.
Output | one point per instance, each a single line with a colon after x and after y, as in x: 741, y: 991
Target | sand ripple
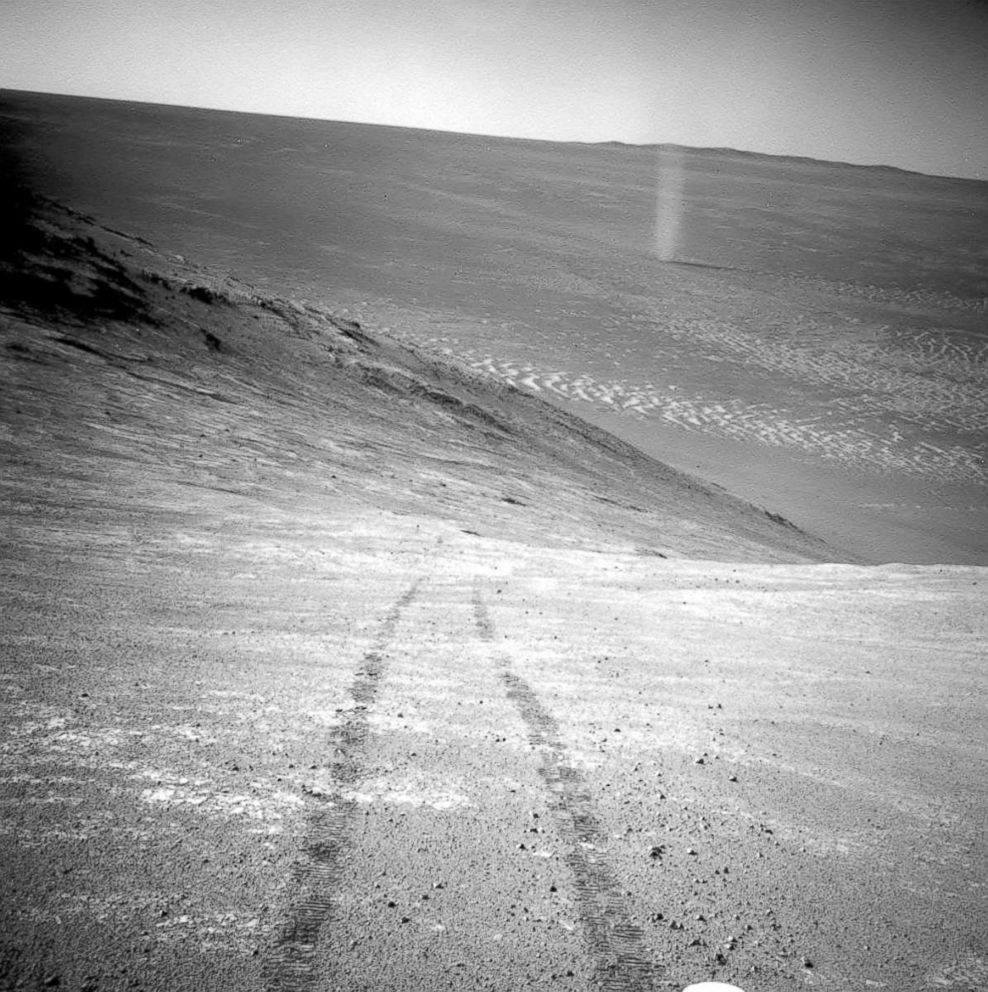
x: 831, y: 435
x: 876, y: 399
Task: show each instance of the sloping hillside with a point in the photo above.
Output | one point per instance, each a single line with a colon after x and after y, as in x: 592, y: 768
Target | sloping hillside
x: 129, y: 374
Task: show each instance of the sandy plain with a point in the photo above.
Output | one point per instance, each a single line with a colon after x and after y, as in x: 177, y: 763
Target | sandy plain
x: 329, y: 663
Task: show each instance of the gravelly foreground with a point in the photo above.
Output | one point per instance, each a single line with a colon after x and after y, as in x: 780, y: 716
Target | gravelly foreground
x: 359, y: 753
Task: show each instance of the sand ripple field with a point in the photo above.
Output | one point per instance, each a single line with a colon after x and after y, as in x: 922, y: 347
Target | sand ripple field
x: 875, y: 400
x: 839, y: 435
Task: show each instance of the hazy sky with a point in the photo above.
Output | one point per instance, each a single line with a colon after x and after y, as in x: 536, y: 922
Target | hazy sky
x: 899, y: 82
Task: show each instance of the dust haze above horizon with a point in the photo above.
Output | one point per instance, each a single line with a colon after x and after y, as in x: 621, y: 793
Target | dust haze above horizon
x: 892, y: 82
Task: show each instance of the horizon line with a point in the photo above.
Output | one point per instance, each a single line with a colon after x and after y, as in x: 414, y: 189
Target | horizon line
x: 602, y: 143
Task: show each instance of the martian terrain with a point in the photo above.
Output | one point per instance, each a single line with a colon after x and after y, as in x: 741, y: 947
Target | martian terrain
x: 440, y: 562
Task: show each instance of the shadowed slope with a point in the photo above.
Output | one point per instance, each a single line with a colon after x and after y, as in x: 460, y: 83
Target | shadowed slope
x: 127, y: 371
